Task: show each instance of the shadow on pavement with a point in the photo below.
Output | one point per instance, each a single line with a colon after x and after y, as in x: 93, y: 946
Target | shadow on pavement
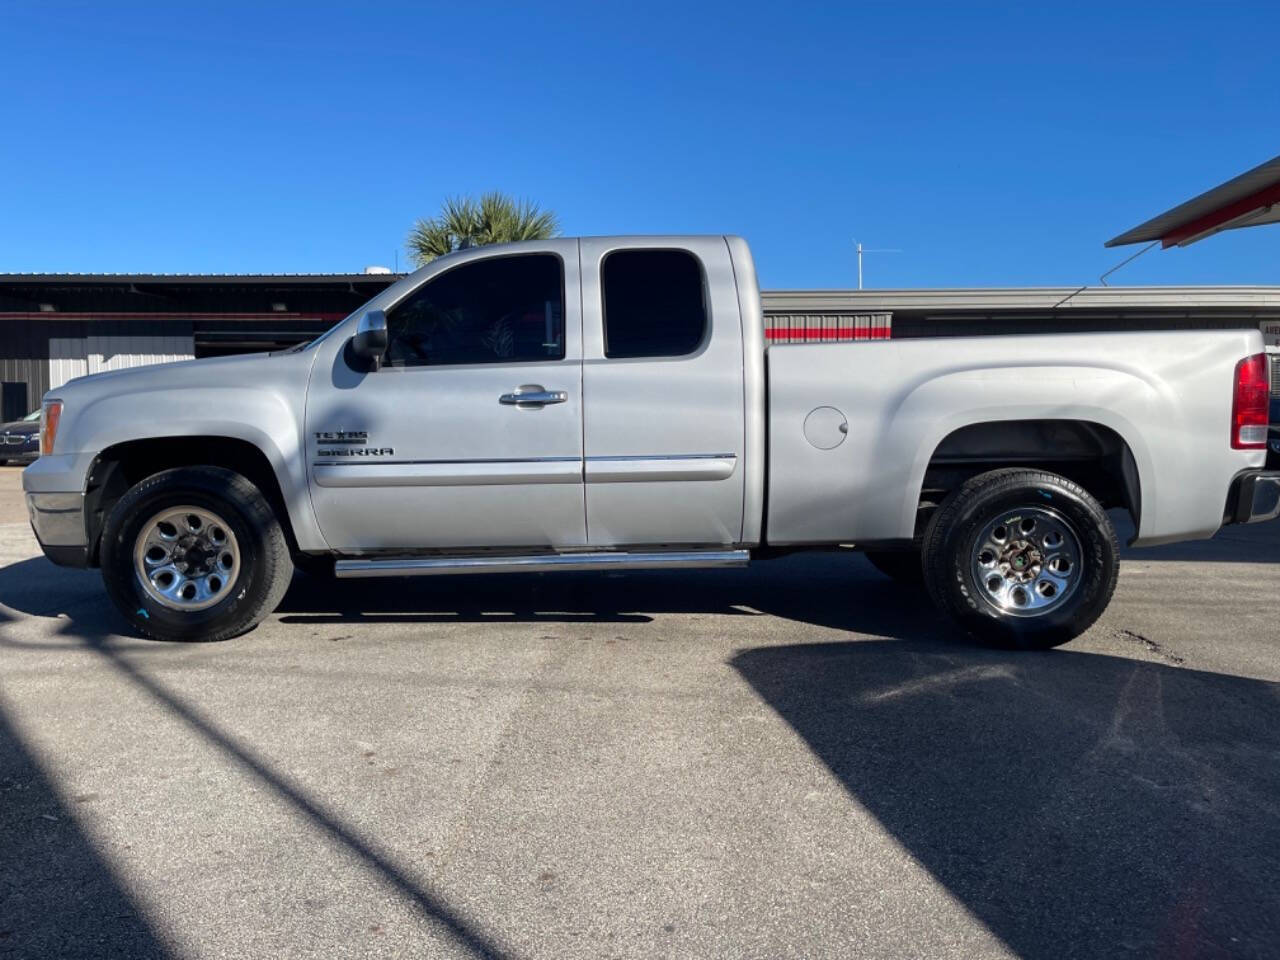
x: 838, y: 591
x: 58, y: 898
x: 1079, y: 805
x: 66, y: 861
x: 1242, y: 543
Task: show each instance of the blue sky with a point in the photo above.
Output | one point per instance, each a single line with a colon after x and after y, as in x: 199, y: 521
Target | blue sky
x: 993, y: 144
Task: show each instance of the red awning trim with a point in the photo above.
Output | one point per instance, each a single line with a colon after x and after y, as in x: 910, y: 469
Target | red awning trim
x: 1249, y: 200
x: 1244, y: 210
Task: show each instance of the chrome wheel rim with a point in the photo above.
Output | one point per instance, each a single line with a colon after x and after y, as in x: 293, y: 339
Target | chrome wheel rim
x: 1027, y: 562
x: 186, y: 558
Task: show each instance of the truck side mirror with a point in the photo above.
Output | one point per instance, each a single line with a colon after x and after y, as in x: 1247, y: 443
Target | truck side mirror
x: 370, y: 340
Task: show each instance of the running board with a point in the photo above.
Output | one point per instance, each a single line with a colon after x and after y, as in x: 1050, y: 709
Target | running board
x: 539, y: 563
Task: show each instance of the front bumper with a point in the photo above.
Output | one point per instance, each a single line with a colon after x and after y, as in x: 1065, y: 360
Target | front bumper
x: 1254, y: 497
x: 58, y: 522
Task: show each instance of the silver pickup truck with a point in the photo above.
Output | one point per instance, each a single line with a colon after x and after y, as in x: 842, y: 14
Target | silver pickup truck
x: 606, y: 403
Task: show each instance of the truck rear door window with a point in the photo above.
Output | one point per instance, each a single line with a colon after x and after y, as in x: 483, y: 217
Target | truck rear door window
x: 654, y: 303
x: 500, y: 310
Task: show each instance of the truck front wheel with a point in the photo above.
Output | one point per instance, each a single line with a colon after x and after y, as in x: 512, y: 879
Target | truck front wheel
x: 1022, y: 558
x: 194, y: 553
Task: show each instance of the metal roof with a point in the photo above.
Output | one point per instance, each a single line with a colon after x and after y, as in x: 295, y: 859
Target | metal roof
x: 1023, y: 298
x: 1249, y: 200
x: 200, y: 278
x: 975, y: 299
x: 60, y: 295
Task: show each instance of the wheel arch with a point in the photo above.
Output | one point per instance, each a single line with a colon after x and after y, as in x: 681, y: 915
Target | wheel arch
x: 1093, y: 454
x: 118, y: 467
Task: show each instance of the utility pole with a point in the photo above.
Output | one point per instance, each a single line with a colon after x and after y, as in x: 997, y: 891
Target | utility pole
x: 857, y: 245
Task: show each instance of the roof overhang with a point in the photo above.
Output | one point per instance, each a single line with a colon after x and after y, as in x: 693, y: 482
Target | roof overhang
x: 1250, y: 200
x: 1169, y: 300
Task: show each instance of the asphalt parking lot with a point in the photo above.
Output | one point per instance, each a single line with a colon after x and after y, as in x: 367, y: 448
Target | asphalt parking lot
x: 799, y: 760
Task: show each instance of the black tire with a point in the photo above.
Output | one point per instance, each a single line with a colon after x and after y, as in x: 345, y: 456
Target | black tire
x: 265, y: 567
x: 952, y: 558
x: 904, y: 566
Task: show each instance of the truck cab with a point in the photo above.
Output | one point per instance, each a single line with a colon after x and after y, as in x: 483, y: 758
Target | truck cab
x: 502, y: 413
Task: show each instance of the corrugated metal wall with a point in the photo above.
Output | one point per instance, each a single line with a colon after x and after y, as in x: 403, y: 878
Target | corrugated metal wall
x: 34, y: 373
x: 46, y: 353
x: 76, y: 357
x: 826, y: 327
x: 23, y: 359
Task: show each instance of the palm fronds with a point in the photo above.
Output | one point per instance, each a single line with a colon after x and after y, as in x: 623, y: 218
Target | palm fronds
x: 465, y: 221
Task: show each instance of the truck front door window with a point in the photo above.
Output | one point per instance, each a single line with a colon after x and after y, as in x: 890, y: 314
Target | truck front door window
x: 499, y: 310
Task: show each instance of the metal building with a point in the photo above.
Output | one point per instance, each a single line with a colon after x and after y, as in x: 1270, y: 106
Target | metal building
x: 57, y: 326
x: 1025, y: 310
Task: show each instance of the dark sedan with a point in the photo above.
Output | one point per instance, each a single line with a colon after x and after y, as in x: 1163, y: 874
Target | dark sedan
x: 20, y: 440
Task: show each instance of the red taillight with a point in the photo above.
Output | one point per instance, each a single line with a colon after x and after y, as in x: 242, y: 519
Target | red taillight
x: 1249, y: 407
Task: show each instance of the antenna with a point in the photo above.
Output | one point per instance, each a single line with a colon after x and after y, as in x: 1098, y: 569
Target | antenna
x: 857, y: 245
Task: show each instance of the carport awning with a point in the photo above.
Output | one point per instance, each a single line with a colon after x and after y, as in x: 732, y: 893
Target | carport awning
x: 1250, y: 200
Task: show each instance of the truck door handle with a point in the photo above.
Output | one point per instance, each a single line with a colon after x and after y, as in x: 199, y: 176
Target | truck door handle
x: 533, y: 395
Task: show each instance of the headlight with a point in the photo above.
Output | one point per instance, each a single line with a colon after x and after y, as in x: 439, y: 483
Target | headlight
x: 50, y: 414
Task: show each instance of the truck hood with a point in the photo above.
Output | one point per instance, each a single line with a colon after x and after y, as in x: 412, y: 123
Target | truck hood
x: 256, y: 397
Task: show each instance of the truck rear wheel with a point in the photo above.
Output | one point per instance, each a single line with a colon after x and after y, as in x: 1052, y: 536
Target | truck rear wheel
x: 1022, y: 558
x: 194, y: 553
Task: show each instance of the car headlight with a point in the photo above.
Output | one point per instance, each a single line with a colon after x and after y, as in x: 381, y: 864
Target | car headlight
x: 50, y: 415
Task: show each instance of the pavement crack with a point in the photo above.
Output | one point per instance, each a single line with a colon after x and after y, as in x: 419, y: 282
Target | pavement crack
x: 1153, y: 647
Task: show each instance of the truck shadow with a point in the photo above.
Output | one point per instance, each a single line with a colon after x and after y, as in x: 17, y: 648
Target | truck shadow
x: 1079, y: 805
x: 838, y: 591
x: 1245, y: 543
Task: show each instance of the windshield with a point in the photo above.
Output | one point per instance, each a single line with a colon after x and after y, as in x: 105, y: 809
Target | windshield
x: 307, y: 344
x: 298, y: 348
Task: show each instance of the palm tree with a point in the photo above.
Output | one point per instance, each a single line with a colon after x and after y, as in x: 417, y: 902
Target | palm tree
x: 466, y: 222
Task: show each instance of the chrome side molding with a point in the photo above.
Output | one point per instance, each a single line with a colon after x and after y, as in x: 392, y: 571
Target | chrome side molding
x: 699, y: 466
x: 447, y: 473
x: 538, y: 563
